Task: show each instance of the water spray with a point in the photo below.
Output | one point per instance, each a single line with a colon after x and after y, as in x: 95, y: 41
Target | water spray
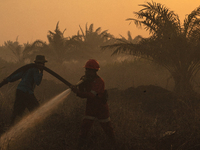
x: 31, y: 120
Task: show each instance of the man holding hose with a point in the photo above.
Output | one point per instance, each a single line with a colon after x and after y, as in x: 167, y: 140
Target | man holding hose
x: 93, y: 88
x: 25, y: 97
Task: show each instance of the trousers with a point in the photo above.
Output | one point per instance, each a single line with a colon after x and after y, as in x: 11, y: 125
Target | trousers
x: 22, y: 101
x: 87, y: 124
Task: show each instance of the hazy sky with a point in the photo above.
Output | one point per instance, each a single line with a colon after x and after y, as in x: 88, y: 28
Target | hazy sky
x: 32, y: 19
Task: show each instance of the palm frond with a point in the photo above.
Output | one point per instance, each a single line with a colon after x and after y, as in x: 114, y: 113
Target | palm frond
x: 91, y: 28
x: 191, y: 21
x: 57, y: 27
x: 86, y: 29
x: 156, y: 17
x: 104, y: 34
x: 64, y: 31
x: 193, y: 15
x: 129, y: 36
x: 122, y: 38
x: 98, y: 30
x: 81, y: 31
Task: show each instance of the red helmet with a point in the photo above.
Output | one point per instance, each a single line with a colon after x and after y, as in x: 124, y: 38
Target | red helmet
x: 92, y: 64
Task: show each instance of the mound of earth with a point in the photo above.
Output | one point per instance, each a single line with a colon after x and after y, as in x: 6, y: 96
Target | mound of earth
x: 153, y: 99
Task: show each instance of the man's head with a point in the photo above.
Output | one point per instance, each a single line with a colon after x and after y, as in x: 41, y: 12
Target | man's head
x: 40, y: 61
x: 91, y: 68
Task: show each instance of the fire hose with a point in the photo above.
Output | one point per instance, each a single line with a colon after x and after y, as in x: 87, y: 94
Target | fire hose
x: 26, y: 67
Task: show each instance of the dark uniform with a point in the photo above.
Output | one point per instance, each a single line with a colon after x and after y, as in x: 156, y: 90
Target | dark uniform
x: 93, y: 89
x: 96, y: 106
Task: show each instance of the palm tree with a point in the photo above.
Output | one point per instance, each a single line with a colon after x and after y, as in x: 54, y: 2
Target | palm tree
x: 92, y: 39
x: 57, y: 43
x: 172, y: 45
x: 37, y: 47
x: 57, y: 50
x: 16, y: 49
x: 25, y: 52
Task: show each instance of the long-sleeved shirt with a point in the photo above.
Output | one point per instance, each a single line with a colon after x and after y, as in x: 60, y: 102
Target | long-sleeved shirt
x: 29, y: 79
x: 94, y: 92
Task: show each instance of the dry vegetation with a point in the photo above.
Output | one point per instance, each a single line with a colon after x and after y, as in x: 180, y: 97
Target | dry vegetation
x: 142, y: 114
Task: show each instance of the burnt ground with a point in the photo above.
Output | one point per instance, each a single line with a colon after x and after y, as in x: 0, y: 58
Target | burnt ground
x: 144, y: 118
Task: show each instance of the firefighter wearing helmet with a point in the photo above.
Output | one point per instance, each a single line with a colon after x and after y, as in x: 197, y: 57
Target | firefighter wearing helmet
x: 92, y: 64
x: 93, y: 89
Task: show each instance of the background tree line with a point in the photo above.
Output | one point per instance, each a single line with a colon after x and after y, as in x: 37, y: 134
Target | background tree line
x: 145, y: 117
x: 172, y: 45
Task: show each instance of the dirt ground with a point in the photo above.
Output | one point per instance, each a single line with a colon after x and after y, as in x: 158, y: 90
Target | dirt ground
x: 144, y: 118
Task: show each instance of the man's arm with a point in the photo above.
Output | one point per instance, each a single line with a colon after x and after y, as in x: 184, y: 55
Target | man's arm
x: 15, y: 77
x: 96, y: 91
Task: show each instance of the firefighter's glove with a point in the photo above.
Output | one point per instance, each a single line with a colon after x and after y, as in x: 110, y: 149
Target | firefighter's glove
x: 74, y: 88
x: 83, y: 78
x: 3, y: 82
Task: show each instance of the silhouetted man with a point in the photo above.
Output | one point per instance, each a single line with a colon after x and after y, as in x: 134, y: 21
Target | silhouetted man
x: 93, y: 88
x: 25, y: 97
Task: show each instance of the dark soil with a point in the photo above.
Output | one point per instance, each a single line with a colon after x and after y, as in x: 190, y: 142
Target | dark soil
x: 180, y: 116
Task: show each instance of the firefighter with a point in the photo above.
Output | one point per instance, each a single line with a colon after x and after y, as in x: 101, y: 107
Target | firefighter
x: 25, y: 97
x: 93, y: 88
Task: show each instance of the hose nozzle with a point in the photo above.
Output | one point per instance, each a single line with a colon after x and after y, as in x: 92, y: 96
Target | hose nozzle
x: 79, y: 82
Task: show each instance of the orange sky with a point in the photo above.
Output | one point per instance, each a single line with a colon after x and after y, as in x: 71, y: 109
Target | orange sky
x: 31, y: 19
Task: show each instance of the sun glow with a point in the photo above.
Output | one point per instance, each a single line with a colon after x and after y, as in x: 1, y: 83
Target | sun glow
x: 31, y: 20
